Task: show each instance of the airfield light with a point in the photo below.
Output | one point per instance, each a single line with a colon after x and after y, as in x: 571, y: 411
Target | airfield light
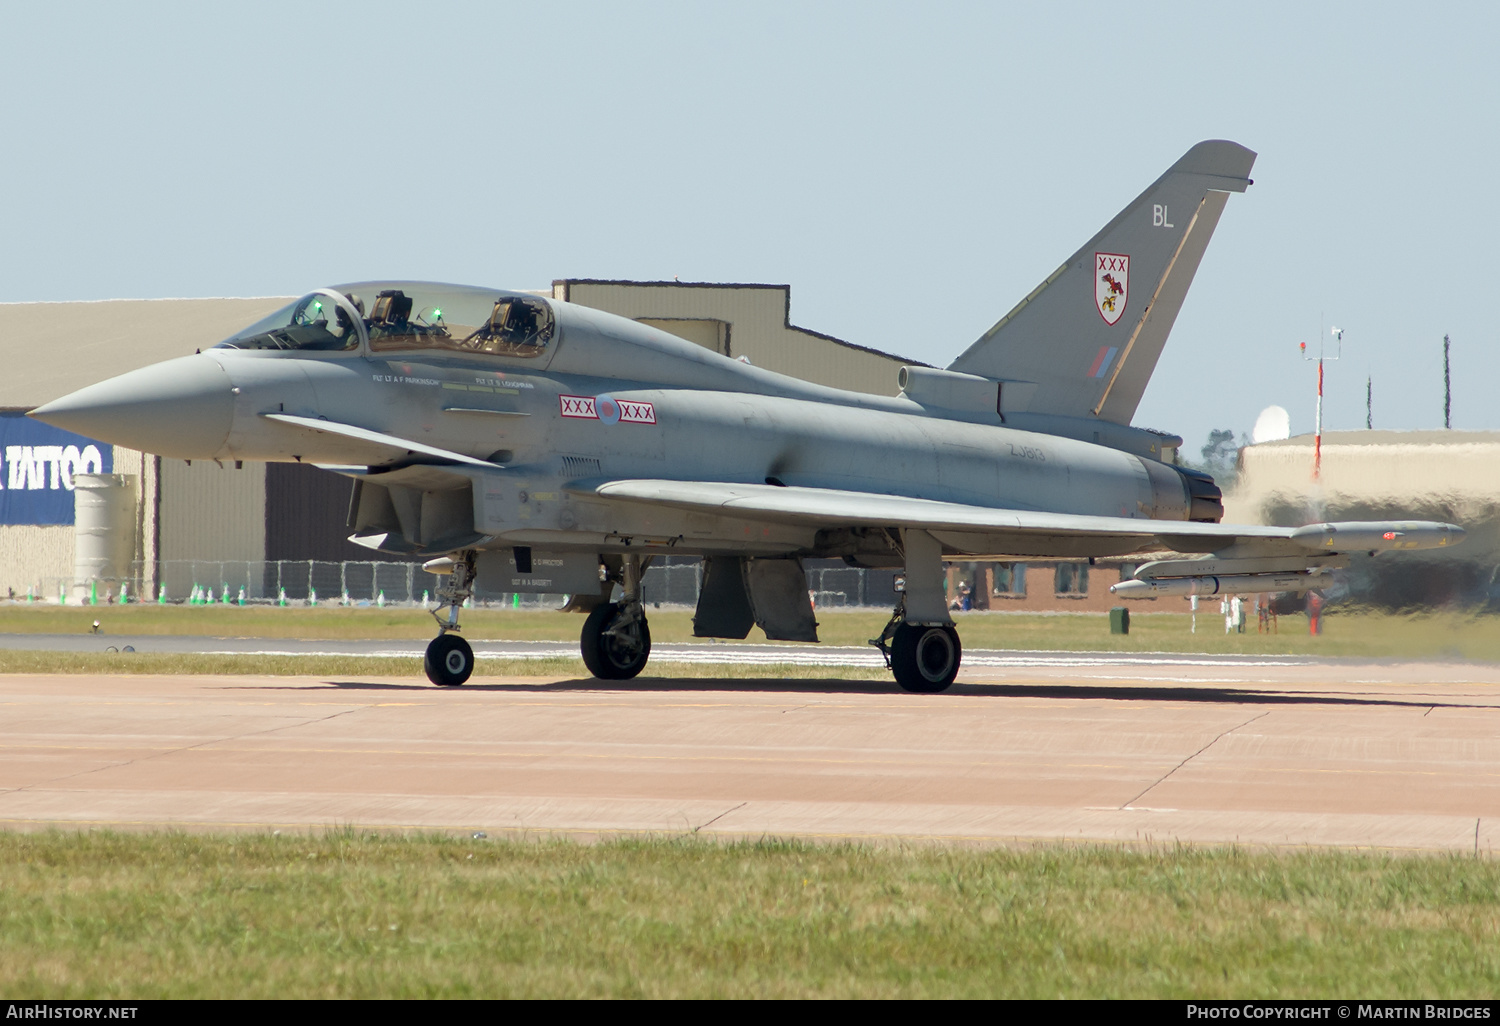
x: 436, y: 312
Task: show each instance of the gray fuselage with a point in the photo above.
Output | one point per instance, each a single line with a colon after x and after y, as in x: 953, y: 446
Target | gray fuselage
x: 607, y: 399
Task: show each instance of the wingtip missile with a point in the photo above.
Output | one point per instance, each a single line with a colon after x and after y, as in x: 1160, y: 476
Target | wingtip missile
x: 1378, y: 536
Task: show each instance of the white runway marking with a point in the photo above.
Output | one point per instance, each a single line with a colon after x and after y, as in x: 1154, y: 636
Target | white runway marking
x: 761, y: 655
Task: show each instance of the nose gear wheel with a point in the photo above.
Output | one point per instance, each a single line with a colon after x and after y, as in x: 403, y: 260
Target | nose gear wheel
x: 449, y: 660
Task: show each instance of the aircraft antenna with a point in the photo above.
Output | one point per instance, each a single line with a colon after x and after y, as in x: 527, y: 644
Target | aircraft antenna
x: 1447, y: 390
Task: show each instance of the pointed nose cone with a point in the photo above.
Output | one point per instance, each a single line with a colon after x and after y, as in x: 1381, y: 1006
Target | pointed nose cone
x: 181, y: 408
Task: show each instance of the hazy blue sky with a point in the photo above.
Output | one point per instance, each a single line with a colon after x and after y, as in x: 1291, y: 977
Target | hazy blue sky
x: 911, y: 170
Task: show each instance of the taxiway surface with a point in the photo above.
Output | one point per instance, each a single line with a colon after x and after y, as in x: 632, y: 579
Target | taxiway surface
x: 1285, y: 752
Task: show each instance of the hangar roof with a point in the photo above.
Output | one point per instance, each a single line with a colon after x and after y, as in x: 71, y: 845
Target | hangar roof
x: 740, y: 319
x: 1428, y: 475
x: 1433, y: 437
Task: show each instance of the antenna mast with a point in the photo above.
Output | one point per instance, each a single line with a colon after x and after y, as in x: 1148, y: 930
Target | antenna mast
x: 1338, y: 336
x: 1447, y: 390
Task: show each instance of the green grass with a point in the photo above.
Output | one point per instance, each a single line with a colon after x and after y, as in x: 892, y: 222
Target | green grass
x: 1346, y: 632
x: 105, y: 915
x: 326, y: 622
x: 29, y: 662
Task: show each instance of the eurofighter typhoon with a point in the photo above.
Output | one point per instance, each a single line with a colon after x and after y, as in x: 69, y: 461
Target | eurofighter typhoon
x: 527, y: 444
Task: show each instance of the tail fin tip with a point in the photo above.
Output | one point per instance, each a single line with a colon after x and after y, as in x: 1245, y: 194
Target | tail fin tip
x: 1218, y: 158
x: 1089, y: 336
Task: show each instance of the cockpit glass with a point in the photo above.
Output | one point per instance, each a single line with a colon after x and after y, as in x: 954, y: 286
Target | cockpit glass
x: 318, y: 321
x: 404, y: 315
x: 416, y: 315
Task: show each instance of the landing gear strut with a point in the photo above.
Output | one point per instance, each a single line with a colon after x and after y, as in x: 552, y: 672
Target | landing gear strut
x: 616, y: 639
x: 449, y: 660
x: 919, y: 643
x: 924, y: 657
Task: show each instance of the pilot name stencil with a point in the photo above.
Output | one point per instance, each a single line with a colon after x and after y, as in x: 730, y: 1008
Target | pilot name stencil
x: 405, y: 379
x: 501, y: 381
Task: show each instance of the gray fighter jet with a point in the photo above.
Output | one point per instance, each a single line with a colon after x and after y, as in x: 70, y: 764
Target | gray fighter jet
x: 532, y: 445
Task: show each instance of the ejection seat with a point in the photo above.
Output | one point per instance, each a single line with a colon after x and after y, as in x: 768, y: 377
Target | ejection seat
x: 391, y: 311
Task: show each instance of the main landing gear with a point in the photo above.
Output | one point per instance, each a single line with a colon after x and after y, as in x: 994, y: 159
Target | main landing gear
x: 616, y: 639
x: 449, y: 660
x: 924, y: 657
x: 919, y: 643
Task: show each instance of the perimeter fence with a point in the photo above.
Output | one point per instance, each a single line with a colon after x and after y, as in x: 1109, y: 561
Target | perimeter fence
x: 672, y: 581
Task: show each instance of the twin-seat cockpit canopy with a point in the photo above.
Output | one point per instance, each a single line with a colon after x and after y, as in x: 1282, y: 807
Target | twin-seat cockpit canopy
x: 404, y: 315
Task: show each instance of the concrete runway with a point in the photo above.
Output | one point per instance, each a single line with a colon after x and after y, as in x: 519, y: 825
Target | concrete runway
x: 1263, y: 752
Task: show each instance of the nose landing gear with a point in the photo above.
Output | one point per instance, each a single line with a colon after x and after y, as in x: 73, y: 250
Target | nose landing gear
x: 449, y: 660
x: 616, y: 639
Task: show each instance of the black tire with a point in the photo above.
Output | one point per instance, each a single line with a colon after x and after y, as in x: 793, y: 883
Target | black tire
x: 611, y: 657
x: 925, y: 659
x: 449, y: 660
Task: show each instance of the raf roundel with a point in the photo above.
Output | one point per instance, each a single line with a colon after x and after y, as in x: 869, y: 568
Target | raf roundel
x: 608, y: 409
x: 624, y: 411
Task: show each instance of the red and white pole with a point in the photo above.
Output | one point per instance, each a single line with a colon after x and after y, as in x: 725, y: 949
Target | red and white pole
x: 1338, y: 333
x: 1318, y: 430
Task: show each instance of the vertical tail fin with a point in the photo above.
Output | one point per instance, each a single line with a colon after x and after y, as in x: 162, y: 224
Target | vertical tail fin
x: 1089, y: 336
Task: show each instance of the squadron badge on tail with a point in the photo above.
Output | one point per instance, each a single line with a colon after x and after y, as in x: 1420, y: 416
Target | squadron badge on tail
x: 1111, y: 285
